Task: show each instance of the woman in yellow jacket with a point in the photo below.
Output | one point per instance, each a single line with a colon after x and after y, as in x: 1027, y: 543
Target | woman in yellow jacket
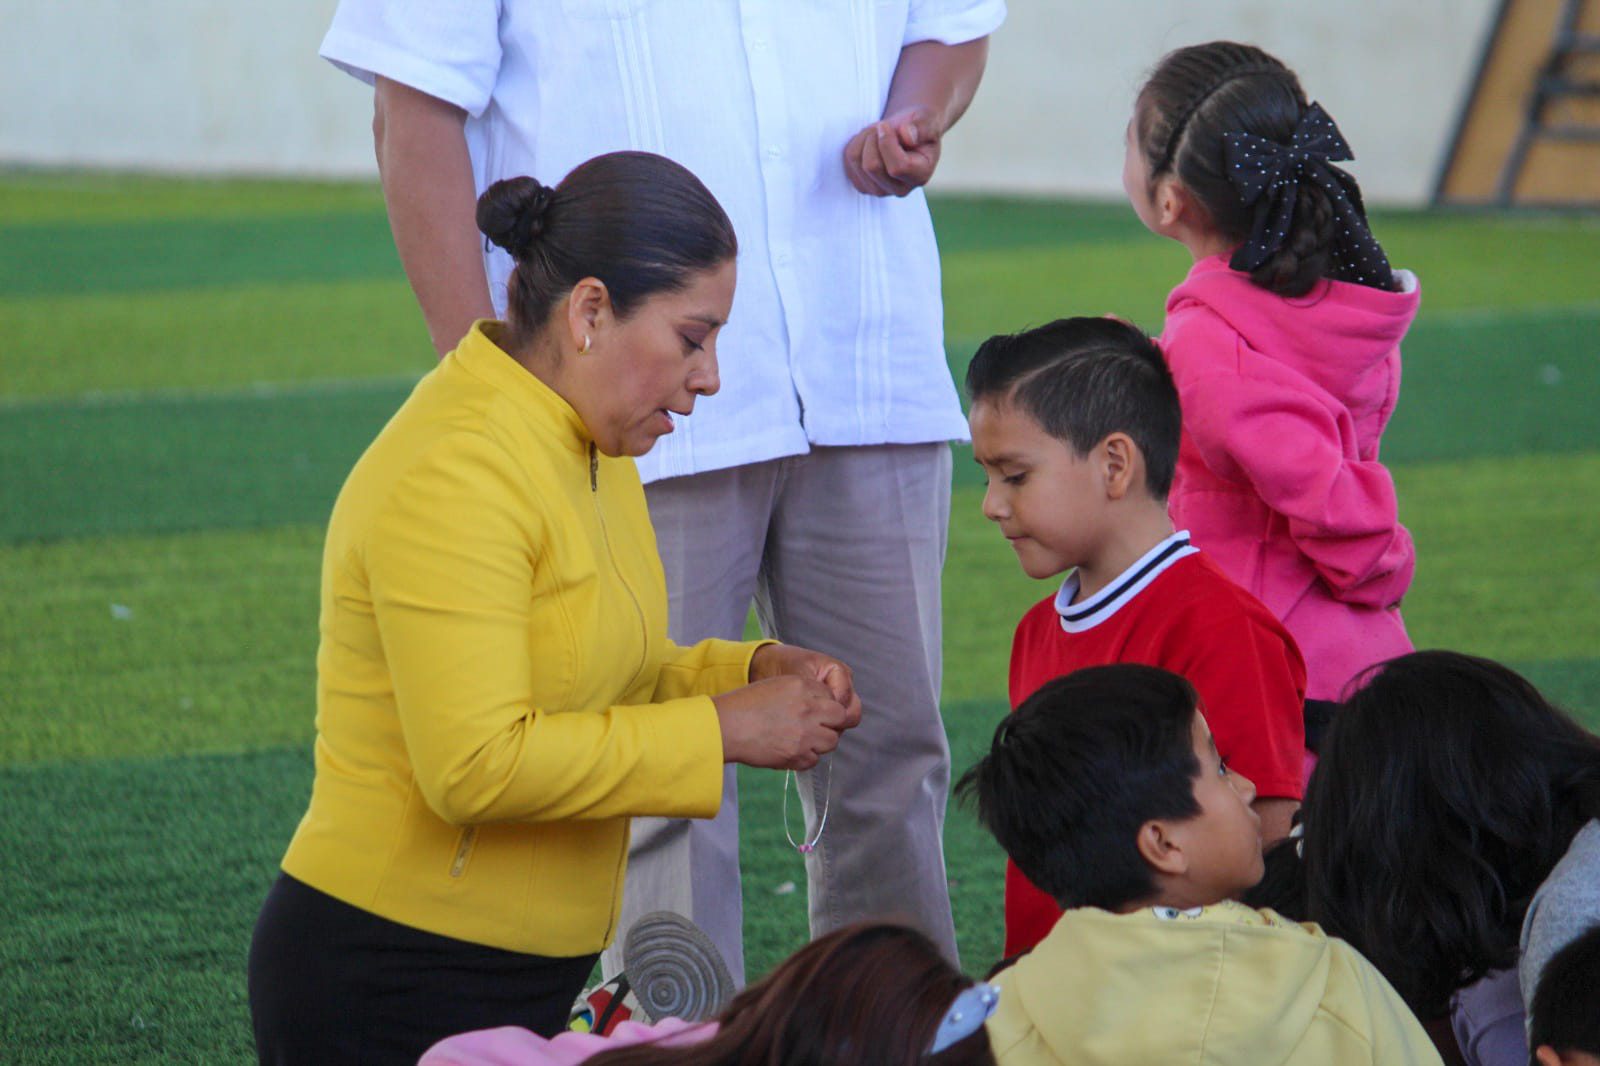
x: 496, y: 694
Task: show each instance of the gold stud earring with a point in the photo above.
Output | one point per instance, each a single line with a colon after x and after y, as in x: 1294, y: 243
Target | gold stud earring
x: 583, y: 349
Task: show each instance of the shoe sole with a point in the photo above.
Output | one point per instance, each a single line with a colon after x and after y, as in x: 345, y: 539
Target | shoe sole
x: 675, y: 969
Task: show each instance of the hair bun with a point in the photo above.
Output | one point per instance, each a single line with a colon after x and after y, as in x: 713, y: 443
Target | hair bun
x: 512, y: 213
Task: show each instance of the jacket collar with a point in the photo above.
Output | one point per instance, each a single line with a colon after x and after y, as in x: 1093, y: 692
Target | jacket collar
x: 481, y: 355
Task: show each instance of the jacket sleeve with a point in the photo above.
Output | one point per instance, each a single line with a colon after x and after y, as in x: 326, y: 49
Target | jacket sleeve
x: 1257, y: 422
x: 449, y: 561
x: 708, y: 668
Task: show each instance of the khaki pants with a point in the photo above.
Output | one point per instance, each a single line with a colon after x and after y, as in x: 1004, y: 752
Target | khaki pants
x: 841, y: 550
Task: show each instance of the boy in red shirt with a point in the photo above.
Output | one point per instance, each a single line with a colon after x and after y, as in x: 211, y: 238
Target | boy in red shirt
x: 1076, y: 427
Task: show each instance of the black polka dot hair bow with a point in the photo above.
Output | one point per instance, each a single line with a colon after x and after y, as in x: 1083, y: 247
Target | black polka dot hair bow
x: 1269, y: 175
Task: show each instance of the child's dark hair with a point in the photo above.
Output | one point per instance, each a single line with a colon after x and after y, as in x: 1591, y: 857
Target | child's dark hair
x: 1282, y: 887
x: 1083, y: 379
x: 1446, y: 791
x: 639, y: 222
x: 871, y: 993
x: 1566, y: 1005
x: 1076, y: 771
x: 1195, y: 97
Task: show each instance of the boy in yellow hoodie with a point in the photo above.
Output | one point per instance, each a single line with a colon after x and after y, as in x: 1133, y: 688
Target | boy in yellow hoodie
x: 1106, y: 790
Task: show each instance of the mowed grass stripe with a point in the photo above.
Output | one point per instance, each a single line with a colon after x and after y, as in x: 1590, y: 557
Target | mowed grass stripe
x: 131, y: 890
x: 67, y: 232
x: 206, y: 641
x: 1506, y: 568
x: 65, y: 346
x: 181, y: 464
x: 1498, y: 383
x: 158, y: 645
x: 80, y: 197
x: 192, y: 282
x: 131, y: 946
x: 1463, y: 263
x: 154, y: 255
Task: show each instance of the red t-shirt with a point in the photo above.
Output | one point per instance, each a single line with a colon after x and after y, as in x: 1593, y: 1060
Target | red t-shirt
x: 1173, y: 609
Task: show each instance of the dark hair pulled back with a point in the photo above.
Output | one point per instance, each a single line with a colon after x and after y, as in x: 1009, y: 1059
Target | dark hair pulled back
x: 1194, y: 97
x: 639, y: 222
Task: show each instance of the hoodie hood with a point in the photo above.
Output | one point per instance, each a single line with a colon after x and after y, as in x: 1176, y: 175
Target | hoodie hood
x: 1224, y: 984
x: 1343, y: 337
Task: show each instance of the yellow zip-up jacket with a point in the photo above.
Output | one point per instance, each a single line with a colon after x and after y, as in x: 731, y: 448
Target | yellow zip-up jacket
x: 496, y: 693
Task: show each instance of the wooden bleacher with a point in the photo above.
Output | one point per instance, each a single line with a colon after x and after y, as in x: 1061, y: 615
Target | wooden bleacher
x: 1529, y: 134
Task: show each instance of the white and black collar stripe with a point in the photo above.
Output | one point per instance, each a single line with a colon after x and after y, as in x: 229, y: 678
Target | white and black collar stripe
x: 1077, y: 617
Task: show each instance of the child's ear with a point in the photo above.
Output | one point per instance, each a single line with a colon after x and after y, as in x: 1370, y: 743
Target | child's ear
x: 1173, y: 203
x: 1159, y: 848
x: 1547, y: 1056
x: 1119, y: 459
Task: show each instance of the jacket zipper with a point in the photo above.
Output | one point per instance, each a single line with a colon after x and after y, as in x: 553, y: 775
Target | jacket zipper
x: 638, y: 611
x: 605, y: 535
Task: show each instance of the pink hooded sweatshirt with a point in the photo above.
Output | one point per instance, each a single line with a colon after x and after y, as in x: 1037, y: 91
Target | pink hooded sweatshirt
x: 1278, y: 478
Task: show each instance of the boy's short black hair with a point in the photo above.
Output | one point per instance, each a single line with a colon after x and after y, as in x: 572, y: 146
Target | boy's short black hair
x: 1078, y: 768
x: 1083, y: 379
x: 1565, y: 1014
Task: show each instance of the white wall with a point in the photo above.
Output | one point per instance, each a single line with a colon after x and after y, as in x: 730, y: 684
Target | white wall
x: 206, y: 86
x: 220, y: 86
x: 1062, y: 78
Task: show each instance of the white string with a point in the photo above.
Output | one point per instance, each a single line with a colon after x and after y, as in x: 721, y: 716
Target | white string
x: 808, y: 846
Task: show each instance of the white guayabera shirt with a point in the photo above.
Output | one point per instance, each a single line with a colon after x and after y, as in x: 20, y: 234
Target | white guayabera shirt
x: 836, y: 335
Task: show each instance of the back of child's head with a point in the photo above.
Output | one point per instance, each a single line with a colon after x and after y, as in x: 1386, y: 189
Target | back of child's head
x: 1446, y: 790
x: 872, y: 992
x: 1565, y: 1015
x: 1082, y: 379
x: 1200, y: 98
x: 1075, y: 772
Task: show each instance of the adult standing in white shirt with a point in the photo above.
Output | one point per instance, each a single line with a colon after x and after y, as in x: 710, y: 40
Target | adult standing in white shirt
x: 818, y: 481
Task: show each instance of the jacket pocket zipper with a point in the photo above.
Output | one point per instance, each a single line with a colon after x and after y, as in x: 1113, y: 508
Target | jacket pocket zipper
x: 463, y: 850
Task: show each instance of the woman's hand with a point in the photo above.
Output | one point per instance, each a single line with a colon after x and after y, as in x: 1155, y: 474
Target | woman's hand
x: 786, y: 660
x: 784, y: 722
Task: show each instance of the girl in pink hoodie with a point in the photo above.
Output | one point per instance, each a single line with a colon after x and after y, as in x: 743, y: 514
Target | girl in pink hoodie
x: 1284, y: 343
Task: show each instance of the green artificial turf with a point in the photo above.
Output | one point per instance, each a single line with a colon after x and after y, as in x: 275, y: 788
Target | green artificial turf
x: 155, y: 255
x: 215, y: 647
x: 131, y: 889
x: 221, y: 337
x: 158, y: 645
x: 51, y: 197
x: 199, y: 461
x: 190, y: 367
x: 1522, y: 382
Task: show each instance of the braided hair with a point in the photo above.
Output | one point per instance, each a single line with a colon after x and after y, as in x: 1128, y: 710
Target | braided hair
x: 1194, y: 97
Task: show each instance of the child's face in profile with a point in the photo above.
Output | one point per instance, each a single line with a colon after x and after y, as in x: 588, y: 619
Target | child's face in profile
x: 1047, y: 501
x: 1136, y: 177
x: 1222, y: 843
